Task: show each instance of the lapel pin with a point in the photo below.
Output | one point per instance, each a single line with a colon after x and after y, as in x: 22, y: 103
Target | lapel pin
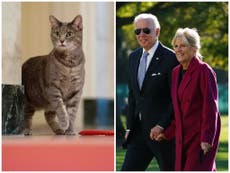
x: 157, y: 58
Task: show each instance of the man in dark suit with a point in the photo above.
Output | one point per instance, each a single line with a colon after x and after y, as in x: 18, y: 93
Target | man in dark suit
x: 150, y: 107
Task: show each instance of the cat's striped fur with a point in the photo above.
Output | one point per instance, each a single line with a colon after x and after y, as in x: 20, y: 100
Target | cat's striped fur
x: 54, y: 82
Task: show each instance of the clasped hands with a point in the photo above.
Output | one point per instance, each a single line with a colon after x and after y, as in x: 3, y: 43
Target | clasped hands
x: 157, y: 134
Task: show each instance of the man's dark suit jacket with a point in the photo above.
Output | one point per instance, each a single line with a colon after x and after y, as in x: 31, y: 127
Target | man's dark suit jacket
x: 153, y: 101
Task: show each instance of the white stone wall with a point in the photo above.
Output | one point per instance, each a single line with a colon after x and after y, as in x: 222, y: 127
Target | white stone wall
x: 11, y: 43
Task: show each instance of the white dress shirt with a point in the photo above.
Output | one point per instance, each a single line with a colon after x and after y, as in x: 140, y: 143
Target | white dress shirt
x: 151, y: 53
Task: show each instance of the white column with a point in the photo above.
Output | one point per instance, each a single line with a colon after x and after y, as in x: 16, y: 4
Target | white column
x: 11, y: 43
x: 104, y: 50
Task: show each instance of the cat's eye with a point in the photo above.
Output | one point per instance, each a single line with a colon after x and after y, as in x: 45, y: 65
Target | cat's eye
x: 57, y: 34
x: 69, y: 34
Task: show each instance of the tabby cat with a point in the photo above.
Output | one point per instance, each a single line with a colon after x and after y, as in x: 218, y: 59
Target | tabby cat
x: 54, y: 82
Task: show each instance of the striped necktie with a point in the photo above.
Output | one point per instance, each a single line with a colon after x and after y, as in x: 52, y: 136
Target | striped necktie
x: 142, y: 69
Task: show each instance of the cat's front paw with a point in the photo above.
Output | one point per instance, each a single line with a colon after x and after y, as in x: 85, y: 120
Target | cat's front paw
x: 64, y: 124
x: 70, y: 132
x: 59, y: 132
x: 28, y: 132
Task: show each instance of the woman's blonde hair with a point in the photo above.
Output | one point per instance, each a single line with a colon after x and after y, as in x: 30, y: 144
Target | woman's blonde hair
x: 189, y: 37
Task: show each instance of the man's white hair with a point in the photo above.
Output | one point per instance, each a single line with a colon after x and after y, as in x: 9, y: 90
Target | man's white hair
x: 149, y: 16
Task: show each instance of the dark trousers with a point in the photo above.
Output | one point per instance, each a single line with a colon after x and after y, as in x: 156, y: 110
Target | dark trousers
x: 141, y: 150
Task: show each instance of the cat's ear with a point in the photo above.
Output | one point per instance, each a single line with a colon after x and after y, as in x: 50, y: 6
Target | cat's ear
x: 54, y: 22
x: 77, y: 23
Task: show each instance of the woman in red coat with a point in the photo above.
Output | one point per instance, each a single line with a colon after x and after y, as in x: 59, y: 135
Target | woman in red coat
x: 196, y: 126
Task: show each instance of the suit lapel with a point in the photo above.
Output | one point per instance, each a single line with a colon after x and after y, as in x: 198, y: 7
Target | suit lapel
x: 156, y: 59
x: 154, y: 64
